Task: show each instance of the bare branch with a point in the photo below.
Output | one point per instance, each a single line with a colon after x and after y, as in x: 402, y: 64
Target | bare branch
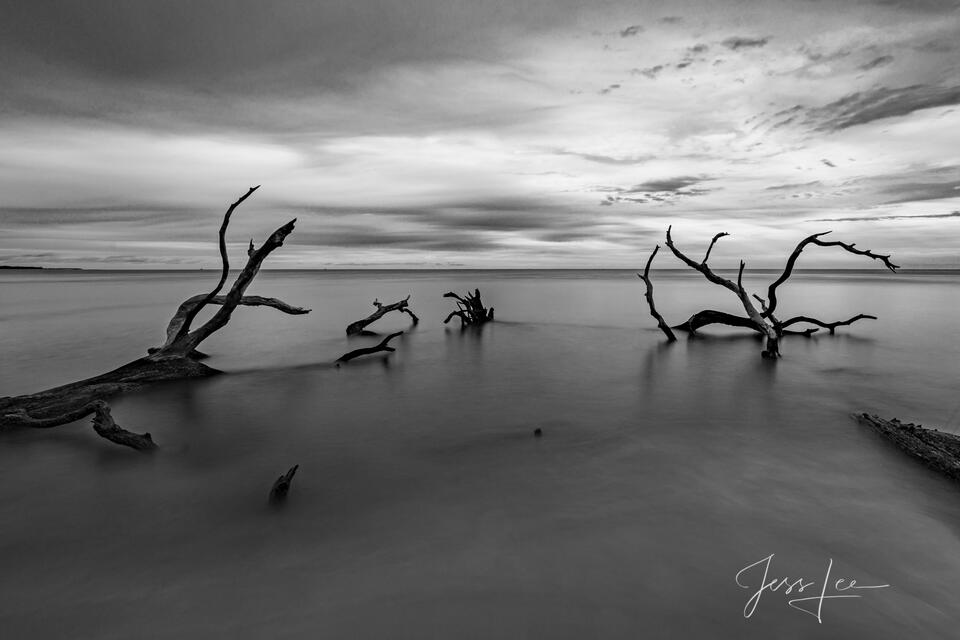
x: 402, y: 306
x: 185, y: 327
x: 815, y: 239
x: 709, y: 316
x: 104, y: 425
x: 645, y: 276
x: 713, y: 242
x: 470, y: 309
x: 830, y: 326
x: 189, y: 342
x: 368, y: 350
x: 173, y: 328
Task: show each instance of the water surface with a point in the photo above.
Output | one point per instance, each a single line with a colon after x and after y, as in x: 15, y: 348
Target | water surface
x: 424, y: 506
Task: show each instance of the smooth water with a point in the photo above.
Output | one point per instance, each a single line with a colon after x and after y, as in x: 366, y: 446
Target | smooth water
x: 425, y: 508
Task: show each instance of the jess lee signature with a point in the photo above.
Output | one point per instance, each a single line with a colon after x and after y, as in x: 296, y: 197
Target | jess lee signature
x: 757, y: 576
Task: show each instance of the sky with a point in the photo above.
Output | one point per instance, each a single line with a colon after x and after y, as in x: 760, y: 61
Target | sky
x: 478, y: 133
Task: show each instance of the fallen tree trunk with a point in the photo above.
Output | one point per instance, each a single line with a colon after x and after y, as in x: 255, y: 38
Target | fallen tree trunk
x: 378, y: 348
x: 382, y: 309
x: 470, y: 309
x: 938, y: 450
x: 176, y: 359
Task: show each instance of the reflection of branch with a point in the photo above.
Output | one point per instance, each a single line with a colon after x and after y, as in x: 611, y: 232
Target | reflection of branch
x: 645, y: 276
x: 367, y: 350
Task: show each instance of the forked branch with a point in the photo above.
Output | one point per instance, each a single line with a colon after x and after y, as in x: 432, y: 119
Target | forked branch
x: 356, y: 353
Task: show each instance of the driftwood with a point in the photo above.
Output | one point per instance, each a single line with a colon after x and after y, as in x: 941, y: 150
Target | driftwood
x: 356, y: 353
x: 470, y: 309
x: 645, y: 276
x: 938, y: 450
x: 278, y: 493
x: 382, y: 309
x: 176, y: 359
x: 764, y: 321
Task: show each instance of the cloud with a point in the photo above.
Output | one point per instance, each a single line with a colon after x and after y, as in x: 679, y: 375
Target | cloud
x: 650, y: 72
x: 954, y: 214
x: 736, y: 43
x: 863, y: 107
x: 604, y: 159
x: 667, y: 184
x: 882, y: 61
x: 632, y: 30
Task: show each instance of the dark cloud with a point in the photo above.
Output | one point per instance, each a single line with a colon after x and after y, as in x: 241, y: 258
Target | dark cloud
x: 632, y: 30
x: 602, y: 159
x: 671, y: 20
x: 954, y: 214
x: 650, y: 72
x: 827, y: 162
x: 607, y: 90
x: 790, y: 187
x: 877, y: 104
x: 736, y: 43
x: 882, y: 61
x: 667, y: 184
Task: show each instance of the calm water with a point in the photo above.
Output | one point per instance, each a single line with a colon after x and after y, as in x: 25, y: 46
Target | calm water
x: 425, y: 508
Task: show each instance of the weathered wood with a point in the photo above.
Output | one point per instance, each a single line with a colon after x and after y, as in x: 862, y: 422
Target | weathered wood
x: 938, y: 450
x: 645, y: 276
x: 177, y: 359
x: 382, y: 346
x: 278, y: 493
x: 104, y: 425
x: 402, y: 306
x: 764, y: 321
x: 470, y: 309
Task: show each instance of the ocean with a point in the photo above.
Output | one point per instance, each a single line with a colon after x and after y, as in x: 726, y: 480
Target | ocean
x: 424, y: 507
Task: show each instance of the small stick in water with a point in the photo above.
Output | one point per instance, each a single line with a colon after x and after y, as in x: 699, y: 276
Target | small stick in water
x: 280, y: 488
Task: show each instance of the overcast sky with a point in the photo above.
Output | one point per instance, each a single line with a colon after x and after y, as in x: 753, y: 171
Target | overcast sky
x: 478, y: 133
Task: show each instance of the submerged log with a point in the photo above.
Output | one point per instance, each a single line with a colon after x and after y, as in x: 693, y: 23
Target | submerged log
x: 938, y: 450
x: 176, y: 359
x: 278, y: 493
x: 402, y: 306
x: 356, y: 353
x: 470, y: 309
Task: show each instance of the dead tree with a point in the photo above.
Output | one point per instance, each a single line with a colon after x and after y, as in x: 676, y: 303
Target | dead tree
x: 382, y: 309
x: 177, y: 358
x: 470, y: 309
x: 764, y: 321
x: 382, y: 346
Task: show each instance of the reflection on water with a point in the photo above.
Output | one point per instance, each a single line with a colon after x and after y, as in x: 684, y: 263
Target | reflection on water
x: 424, y: 506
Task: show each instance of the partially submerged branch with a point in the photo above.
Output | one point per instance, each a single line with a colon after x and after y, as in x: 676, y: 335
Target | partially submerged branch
x: 764, y: 321
x: 103, y: 423
x: 402, y: 306
x: 177, y: 359
x: 470, y: 309
x: 830, y: 326
x: 281, y: 487
x: 645, y: 276
x: 938, y: 450
x: 381, y: 347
